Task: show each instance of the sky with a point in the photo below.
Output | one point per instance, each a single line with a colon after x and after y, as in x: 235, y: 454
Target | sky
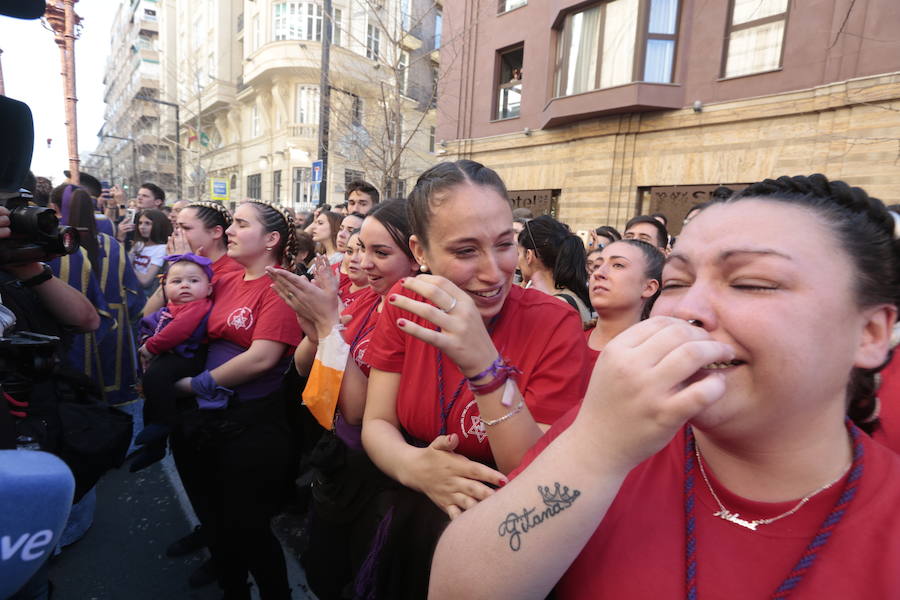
x: 31, y: 73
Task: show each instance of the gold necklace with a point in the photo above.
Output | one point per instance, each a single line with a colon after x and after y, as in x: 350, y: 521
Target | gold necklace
x: 727, y: 515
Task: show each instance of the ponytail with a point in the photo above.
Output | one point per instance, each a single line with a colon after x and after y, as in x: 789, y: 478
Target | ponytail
x: 569, y: 272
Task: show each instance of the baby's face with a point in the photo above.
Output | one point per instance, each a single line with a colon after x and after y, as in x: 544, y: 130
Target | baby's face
x: 187, y: 282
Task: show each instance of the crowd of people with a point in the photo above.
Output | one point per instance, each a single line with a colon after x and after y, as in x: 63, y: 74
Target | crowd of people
x: 467, y: 401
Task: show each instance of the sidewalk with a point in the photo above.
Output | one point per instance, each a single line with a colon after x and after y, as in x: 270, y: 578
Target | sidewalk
x: 123, y: 554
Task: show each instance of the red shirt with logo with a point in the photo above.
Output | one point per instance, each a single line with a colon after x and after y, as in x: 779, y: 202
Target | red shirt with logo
x: 244, y: 311
x: 637, y: 552
x: 535, y: 332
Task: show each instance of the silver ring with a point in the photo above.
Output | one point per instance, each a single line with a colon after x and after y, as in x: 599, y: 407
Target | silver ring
x: 452, y: 306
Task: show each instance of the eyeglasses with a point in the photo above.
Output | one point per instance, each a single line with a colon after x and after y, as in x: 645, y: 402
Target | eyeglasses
x: 528, y: 229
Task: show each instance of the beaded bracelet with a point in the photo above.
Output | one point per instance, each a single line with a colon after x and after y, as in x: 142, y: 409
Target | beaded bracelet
x: 516, y: 410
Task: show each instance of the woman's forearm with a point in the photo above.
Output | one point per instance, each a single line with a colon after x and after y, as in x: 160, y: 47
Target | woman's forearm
x: 147, y: 278
x: 389, y: 451
x: 352, y: 397
x: 529, y: 532
x: 511, y: 438
x: 250, y: 364
x: 304, y: 356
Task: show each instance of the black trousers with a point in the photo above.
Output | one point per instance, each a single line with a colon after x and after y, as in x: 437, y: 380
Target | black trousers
x: 159, y: 384
x: 235, y: 465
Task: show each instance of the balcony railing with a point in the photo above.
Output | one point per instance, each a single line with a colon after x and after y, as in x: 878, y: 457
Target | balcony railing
x: 305, y: 130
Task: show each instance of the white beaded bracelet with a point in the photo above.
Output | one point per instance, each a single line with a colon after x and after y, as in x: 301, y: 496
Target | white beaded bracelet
x: 515, y: 410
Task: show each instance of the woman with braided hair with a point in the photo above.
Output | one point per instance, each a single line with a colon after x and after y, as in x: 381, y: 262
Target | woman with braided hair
x: 716, y: 452
x: 238, y: 449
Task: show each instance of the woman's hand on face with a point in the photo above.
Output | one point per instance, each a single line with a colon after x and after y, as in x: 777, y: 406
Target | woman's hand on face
x: 451, y: 480
x: 462, y: 336
x: 318, y: 308
x: 646, y: 385
x: 178, y: 244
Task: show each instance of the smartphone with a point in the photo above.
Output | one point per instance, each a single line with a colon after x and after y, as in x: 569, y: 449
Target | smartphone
x: 130, y: 215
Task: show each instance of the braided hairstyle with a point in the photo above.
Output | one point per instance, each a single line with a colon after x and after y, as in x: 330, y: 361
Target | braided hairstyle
x: 559, y: 250
x: 277, y: 218
x: 865, y: 229
x: 213, y: 214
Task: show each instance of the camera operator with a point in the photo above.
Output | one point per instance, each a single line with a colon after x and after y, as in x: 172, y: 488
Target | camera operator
x: 66, y: 305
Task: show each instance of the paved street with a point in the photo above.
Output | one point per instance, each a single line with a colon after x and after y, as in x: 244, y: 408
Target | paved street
x: 123, y: 554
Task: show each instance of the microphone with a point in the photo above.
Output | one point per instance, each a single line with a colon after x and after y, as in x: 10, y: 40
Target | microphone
x: 35, y: 497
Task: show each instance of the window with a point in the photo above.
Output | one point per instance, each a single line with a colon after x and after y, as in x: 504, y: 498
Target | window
x: 438, y: 24
x: 255, y: 129
x: 313, y: 22
x: 350, y: 176
x: 297, y: 21
x: 356, y: 110
x: 306, y: 107
x: 393, y: 127
x: 276, y: 187
x: 405, y: 14
x: 373, y: 42
x: 509, y: 84
x: 254, y: 186
x: 755, y: 36
x: 302, y: 177
x: 431, y: 133
x: 337, y: 27
x: 607, y: 45
x: 256, y: 38
x: 505, y: 5
x: 403, y: 72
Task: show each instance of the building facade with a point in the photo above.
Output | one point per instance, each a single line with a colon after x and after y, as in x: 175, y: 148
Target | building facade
x: 245, y: 76
x: 137, y: 141
x: 249, y: 78
x: 598, y: 111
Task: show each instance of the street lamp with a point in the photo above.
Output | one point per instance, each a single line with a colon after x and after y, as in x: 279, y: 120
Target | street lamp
x: 177, y: 137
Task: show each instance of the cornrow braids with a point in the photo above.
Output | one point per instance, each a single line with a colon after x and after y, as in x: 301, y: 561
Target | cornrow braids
x: 865, y: 230
x: 204, y: 206
x: 277, y: 218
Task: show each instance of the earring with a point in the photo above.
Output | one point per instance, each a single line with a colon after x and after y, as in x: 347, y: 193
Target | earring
x: 268, y: 249
x: 423, y: 268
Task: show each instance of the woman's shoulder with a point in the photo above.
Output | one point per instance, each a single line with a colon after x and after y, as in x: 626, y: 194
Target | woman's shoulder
x: 535, y: 304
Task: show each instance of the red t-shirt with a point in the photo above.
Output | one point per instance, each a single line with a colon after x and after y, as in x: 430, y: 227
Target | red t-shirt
x: 888, y: 432
x: 358, y: 332
x: 225, y: 264
x: 593, y: 354
x: 535, y: 332
x: 637, y: 552
x: 244, y: 311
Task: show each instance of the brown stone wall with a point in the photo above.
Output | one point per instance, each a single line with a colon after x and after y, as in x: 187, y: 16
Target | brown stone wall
x: 848, y: 130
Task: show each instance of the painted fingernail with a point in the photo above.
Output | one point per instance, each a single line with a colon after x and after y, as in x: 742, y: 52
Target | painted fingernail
x: 503, y: 481
x: 392, y: 297
x: 401, y: 323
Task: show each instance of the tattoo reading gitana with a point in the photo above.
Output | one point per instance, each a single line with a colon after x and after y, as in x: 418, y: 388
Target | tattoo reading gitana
x: 555, y: 501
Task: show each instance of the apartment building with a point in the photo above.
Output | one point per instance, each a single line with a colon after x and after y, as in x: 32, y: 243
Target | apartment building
x: 599, y: 110
x: 137, y: 140
x: 249, y: 83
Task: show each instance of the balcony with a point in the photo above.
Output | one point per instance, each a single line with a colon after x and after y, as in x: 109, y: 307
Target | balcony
x: 631, y: 97
x: 283, y: 58
x: 303, y: 131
